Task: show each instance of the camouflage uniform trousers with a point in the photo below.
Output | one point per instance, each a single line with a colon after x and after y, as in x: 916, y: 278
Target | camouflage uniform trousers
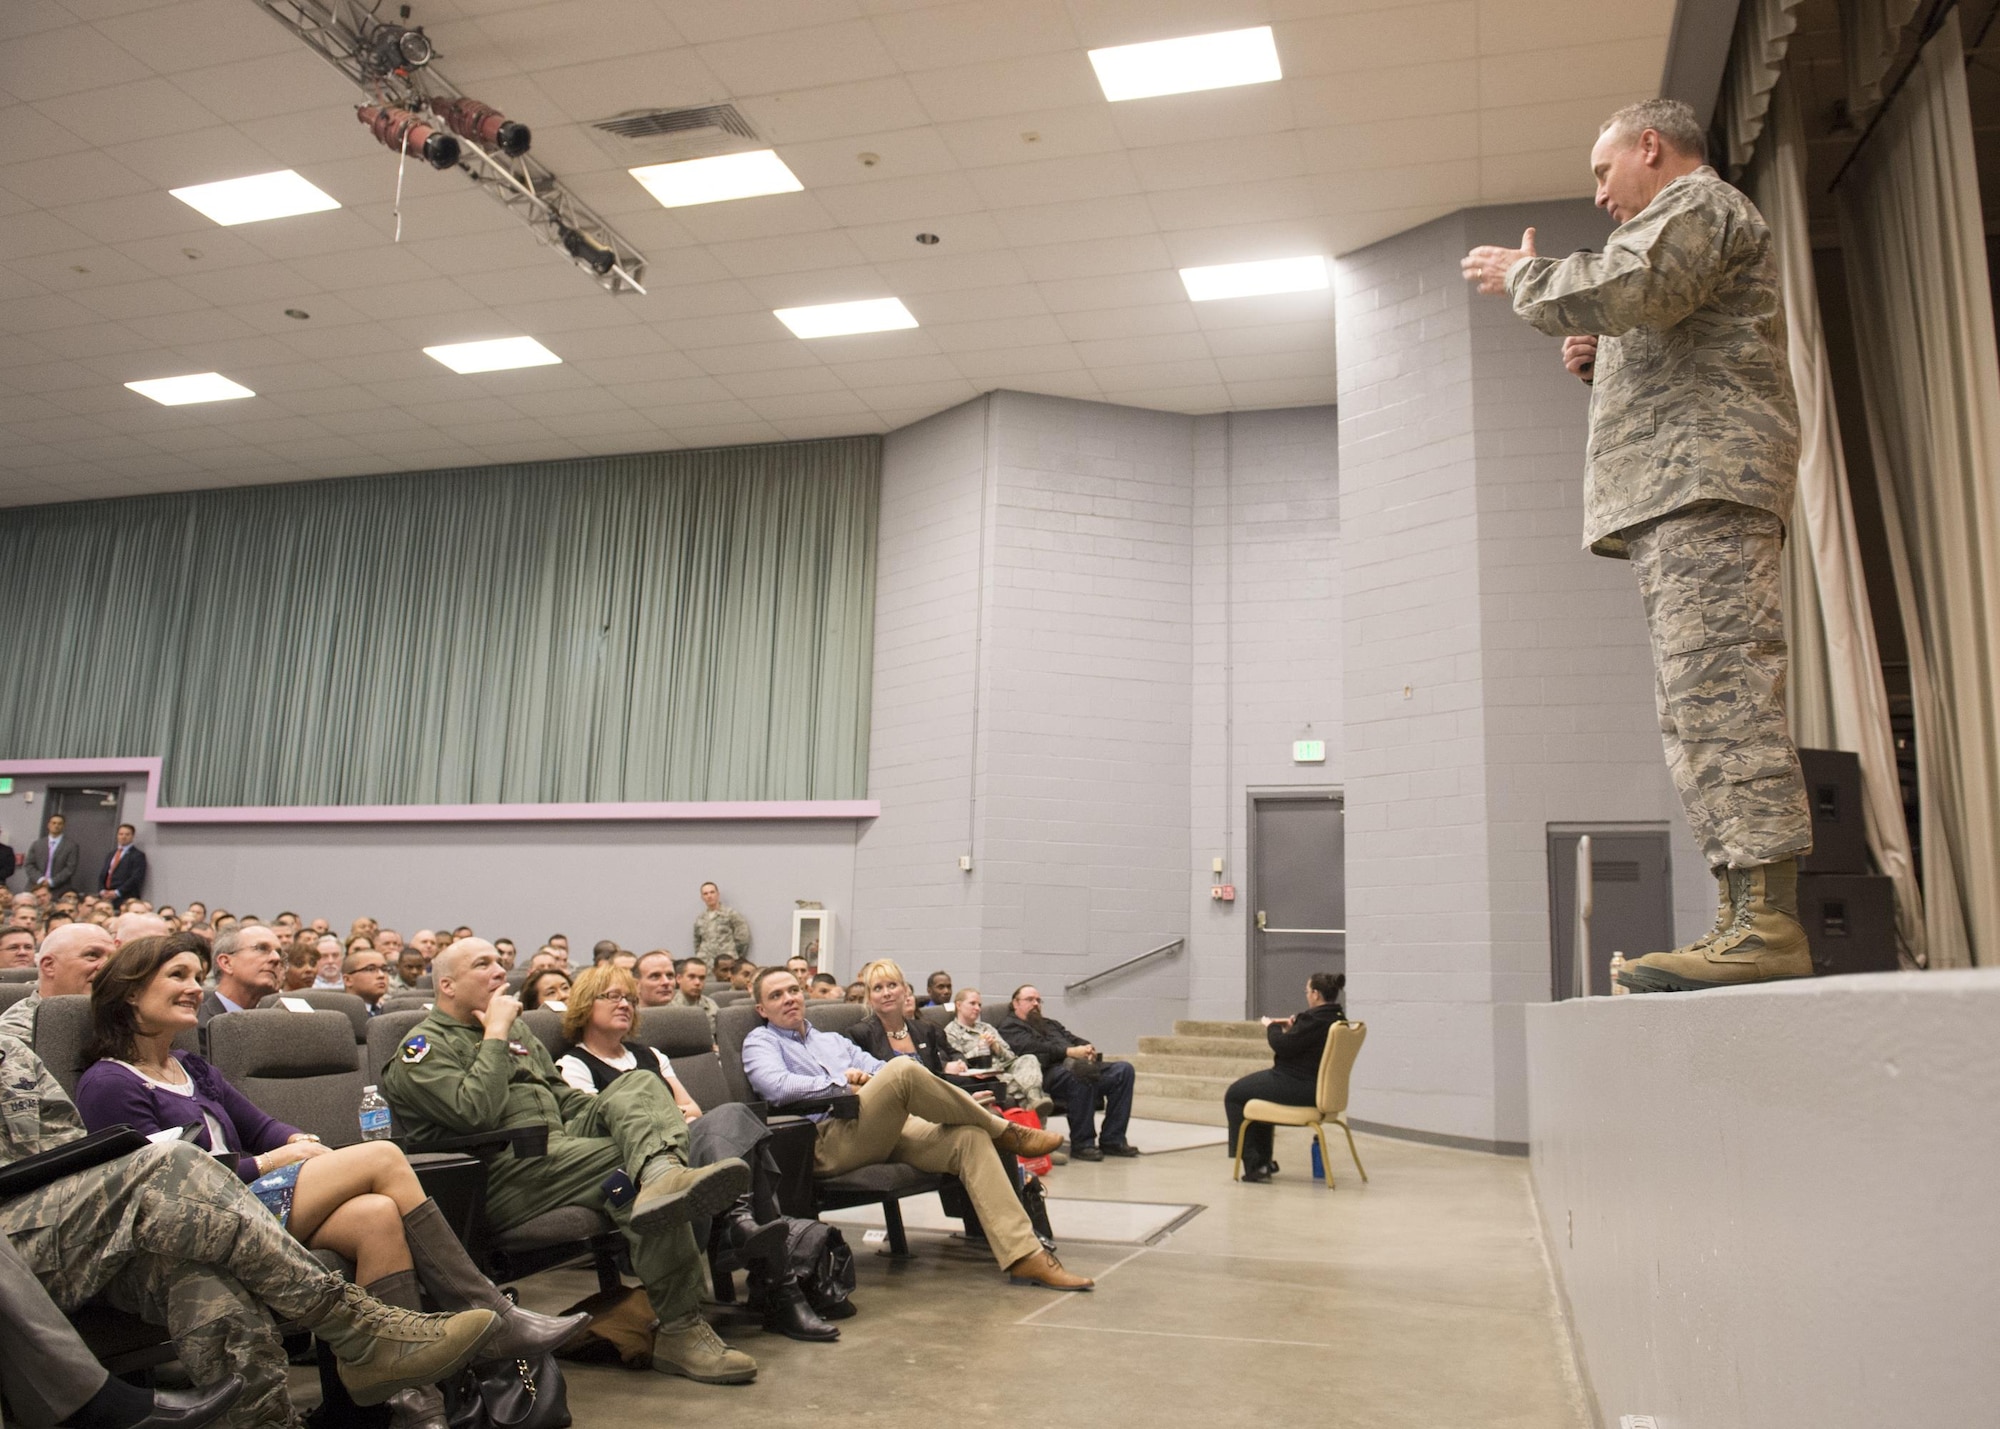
x: 1710, y: 578
x: 169, y: 1234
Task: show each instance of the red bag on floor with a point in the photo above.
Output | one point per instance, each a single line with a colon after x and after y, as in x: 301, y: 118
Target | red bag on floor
x: 1021, y: 1116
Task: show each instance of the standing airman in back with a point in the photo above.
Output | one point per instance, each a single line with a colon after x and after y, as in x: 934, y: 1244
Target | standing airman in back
x: 720, y: 931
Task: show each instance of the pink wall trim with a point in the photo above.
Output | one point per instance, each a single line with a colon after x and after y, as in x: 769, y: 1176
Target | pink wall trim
x: 440, y: 813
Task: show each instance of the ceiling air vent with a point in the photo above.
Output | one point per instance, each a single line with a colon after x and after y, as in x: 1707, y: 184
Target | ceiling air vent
x: 657, y: 136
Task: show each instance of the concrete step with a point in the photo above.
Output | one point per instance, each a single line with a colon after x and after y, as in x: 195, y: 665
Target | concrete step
x: 1173, y: 1065
x: 1243, y: 1031
x: 1231, y: 1047
x: 1195, y: 1113
x: 1181, y: 1088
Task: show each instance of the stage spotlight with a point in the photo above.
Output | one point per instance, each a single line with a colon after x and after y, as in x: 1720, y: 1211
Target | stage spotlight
x: 397, y: 128
x: 587, y: 250
x: 483, y: 124
x: 398, y: 49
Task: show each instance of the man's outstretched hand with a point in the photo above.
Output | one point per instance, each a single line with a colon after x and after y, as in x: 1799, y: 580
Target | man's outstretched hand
x: 1487, y: 265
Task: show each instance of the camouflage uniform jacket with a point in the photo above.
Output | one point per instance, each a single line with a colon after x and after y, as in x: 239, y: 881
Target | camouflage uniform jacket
x: 1691, y: 398
x: 718, y: 931
x: 36, y: 1115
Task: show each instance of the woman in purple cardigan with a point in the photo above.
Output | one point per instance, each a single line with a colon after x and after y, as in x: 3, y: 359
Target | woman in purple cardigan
x: 362, y: 1202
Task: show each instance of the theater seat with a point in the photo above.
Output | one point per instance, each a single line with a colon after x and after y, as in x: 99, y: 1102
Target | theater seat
x: 328, y: 999
x: 62, y: 1031
x: 297, y: 1066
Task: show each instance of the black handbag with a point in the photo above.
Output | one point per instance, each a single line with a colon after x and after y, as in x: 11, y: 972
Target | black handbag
x: 509, y: 1394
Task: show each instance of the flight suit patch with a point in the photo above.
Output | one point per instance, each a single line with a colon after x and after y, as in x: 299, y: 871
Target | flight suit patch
x: 416, y: 1049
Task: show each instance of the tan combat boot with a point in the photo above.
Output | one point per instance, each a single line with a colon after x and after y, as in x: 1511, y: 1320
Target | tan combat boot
x: 678, y: 1194
x: 380, y: 1349
x: 689, y: 1347
x: 1764, y: 942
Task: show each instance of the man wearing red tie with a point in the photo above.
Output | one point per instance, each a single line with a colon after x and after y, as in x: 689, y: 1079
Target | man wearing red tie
x: 125, y: 870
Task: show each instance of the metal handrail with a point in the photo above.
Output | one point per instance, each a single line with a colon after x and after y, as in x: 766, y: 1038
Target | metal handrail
x: 1120, y: 967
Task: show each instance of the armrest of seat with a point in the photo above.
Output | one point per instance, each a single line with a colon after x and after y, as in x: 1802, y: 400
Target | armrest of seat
x: 527, y: 1142
x: 841, y: 1106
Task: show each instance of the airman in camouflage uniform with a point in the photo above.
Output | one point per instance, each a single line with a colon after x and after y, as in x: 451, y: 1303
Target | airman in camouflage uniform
x: 1693, y: 462
x: 170, y: 1234
x: 720, y: 931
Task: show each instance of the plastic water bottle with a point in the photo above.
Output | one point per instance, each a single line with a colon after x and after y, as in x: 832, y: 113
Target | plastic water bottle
x: 374, y: 1116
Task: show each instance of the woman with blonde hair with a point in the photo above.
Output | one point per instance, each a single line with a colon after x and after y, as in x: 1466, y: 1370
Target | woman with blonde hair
x: 979, y: 1044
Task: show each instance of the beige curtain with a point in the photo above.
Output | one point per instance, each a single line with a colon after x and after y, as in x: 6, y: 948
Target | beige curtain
x: 1914, y: 244
x: 1756, y: 58
x: 1871, y: 32
x: 1836, y: 695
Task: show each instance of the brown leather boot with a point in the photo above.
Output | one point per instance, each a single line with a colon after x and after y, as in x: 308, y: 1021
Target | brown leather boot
x: 1764, y: 941
x: 1045, y: 1270
x: 1018, y: 1140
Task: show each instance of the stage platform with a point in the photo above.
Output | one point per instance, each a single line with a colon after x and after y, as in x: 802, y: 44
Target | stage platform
x: 1778, y: 1207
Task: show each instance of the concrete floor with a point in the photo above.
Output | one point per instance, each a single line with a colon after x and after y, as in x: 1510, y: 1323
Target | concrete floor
x: 1420, y: 1299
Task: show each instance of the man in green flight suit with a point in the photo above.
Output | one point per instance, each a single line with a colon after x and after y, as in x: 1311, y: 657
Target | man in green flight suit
x: 1679, y: 327
x: 467, y: 1068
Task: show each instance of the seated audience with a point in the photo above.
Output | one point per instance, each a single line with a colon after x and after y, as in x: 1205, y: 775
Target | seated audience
x: 326, y: 968
x: 856, y: 992
x: 362, y: 1202
x: 363, y: 927
x: 690, y: 982
x: 937, y: 991
x: 506, y: 950
x: 127, y: 926
x: 548, y: 957
x: 247, y: 968
x: 625, y: 958
x: 1297, y: 1043
x: 413, y: 974
x: 979, y: 1044
x: 601, y: 1015
x: 799, y: 968
x: 67, y: 963
x: 366, y: 974
x: 603, y: 951
x: 824, y: 987
x: 389, y: 943
x: 463, y: 1069
x: 744, y: 973
x: 724, y: 967
x: 301, y: 968
x: 905, y: 1115
x: 889, y: 1031
x: 167, y: 1231
x: 654, y: 974
x: 547, y: 988
x: 1075, y: 1071
x: 17, y: 947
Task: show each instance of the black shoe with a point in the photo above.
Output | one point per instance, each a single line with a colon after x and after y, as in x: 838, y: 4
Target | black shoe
x: 837, y: 1310
x: 187, y: 1409
x: 788, y: 1313
x: 1257, y: 1175
x: 1085, y: 1153
x: 1121, y: 1149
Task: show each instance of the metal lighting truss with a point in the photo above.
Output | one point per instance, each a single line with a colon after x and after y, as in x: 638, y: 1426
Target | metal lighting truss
x: 339, y: 32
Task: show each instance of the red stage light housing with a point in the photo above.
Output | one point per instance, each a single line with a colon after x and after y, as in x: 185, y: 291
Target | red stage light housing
x: 399, y: 129
x: 483, y: 124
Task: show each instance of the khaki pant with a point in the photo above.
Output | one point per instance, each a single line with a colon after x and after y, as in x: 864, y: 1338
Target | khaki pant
x: 910, y: 1116
x: 1711, y: 581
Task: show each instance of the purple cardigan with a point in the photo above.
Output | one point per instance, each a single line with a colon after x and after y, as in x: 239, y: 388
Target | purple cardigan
x: 109, y: 1094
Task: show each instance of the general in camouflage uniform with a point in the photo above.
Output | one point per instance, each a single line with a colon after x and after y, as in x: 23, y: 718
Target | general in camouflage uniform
x: 1693, y: 462
x: 170, y: 1234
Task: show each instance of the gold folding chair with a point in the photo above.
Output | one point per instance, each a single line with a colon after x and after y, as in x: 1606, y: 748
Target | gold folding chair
x: 1343, y: 1044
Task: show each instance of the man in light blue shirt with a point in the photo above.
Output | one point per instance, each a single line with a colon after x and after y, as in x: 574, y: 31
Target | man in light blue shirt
x: 905, y: 1115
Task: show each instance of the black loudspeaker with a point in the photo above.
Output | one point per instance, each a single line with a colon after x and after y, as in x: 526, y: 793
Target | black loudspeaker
x: 1850, y: 921
x: 1833, y: 789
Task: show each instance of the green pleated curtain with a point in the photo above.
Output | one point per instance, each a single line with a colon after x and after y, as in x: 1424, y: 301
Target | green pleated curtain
x: 674, y: 626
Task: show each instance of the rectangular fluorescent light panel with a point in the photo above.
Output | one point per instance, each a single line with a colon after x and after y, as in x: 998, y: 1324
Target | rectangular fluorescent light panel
x: 256, y: 198
x: 1253, y: 280
x: 1182, y: 66
x: 718, y: 179
x: 195, y: 387
x: 493, y: 355
x: 840, y: 319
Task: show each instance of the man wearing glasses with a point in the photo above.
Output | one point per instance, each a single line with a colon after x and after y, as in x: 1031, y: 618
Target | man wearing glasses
x: 366, y: 975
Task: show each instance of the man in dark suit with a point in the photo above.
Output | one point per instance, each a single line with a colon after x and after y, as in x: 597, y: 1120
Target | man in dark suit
x: 52, y: 860
x: 247, y: 967
x: 124, y: 867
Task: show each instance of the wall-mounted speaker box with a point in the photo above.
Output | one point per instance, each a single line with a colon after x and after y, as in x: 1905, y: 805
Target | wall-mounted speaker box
x: 1833, y: 789
x: 1850, y: 921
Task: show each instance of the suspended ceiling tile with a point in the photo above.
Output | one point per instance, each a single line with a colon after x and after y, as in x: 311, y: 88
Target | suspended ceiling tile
x: 979, y: 91
x: 704, y: 21
x: 194, y: 33
x: 64, y: 60
x: 831, y: 111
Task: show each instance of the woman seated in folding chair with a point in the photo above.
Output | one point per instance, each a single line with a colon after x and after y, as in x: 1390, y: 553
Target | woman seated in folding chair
x: 603, y: 1010
x: 362, y: 1202
x: 1297, y: 1043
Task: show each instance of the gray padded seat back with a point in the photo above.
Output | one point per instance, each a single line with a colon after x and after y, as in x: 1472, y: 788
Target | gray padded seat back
x: 728, y: 997
x: 62, y: 1030
x: 937, y: 1016
x: 30, y: 973
x: 328, y: 999
x: 394, y: 1001
x: 546, y: 1024
x: 835, y: 1017
x: 13, y: 992
x: 732, y: 1025
x: 297, y: 1066
x: 682, y: 1033
x: 516, y: 978
x: 386, y: 1031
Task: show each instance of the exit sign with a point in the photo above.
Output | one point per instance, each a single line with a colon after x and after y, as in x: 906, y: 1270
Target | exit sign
x: 1308, y: 751
x: 6, y: 786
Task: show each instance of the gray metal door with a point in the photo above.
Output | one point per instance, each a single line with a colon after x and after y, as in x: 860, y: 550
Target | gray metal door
x: 1298, y: 896
x: 91, y: 817
x: 1632, y: 901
